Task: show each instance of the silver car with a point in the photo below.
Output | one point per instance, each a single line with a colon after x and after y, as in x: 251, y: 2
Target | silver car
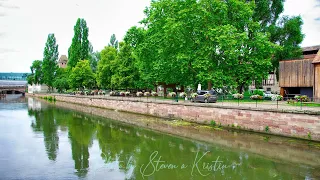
x: 202, y: 97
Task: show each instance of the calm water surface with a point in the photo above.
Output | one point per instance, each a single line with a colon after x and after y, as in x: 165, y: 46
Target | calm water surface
x: 47, y: 142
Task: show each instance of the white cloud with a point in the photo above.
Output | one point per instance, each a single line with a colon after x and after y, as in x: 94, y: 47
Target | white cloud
x: 309, y: 11
x: 25, y: 30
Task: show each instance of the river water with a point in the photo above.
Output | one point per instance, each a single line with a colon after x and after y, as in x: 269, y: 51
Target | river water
x: 39, y: 140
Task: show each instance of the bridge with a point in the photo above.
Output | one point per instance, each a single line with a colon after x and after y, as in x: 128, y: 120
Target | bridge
x: 12, y: 87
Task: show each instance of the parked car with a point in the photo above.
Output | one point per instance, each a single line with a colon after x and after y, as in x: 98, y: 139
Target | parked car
x: 212, y: 97
x: 267, y: 95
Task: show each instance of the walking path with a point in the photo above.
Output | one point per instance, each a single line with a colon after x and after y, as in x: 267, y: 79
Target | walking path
x: 265, y: 105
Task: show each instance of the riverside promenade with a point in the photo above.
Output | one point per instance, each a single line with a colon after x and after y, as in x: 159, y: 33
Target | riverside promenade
x: 304, y: 124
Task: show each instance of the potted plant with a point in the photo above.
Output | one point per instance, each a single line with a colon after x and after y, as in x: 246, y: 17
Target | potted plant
x: 139, y: 94
x: 154, y: 94
x: 147, y: 94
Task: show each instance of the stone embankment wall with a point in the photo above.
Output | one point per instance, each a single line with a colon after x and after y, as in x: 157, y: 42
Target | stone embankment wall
x: 280, y: 123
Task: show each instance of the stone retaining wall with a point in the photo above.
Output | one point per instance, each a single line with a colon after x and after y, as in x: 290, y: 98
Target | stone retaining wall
x: 285, y: 124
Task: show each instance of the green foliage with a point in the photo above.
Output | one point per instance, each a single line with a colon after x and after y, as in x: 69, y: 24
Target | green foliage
x: 106, y: 67
x: 309, y: 136
x: 125, y: 73
x: 81, y: 75
x: 113, y: 41
x: 94, y: 58
x: 79, y: 49
x: 266, y: 128
x: 258, y: 92
x: 61, y: 81
x: 212, y: 123
x: 36, y: 76
x: 50, y: 65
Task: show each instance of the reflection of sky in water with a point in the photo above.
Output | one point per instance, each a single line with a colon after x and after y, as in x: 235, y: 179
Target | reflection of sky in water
x: 27, y: 141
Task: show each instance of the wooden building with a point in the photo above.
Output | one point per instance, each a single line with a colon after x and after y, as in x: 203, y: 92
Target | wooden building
x: 301, y: 76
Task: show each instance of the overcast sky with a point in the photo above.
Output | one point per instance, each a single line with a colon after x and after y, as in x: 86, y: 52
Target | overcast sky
x: 25, y: 25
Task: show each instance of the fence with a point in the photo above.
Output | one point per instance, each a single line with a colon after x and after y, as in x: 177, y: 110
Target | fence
x: 310, y: 104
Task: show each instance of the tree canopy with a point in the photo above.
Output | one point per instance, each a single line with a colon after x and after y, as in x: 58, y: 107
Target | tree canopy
x: 79, y: 49
x: 50, y: 57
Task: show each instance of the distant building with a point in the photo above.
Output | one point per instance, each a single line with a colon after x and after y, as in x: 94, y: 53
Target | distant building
x: 63, y: 61
x: 270, y: 84
x: 38, y: 88
x: 301, y: 76
x: 14, y: 76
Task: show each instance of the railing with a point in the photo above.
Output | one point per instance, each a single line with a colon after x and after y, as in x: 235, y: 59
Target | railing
x: 311, y: 104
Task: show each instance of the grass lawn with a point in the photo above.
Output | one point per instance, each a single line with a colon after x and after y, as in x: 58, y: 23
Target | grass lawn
x: 308, y: 104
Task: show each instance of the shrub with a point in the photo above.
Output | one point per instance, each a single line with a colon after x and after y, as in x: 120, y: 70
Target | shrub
x: 304, y: 98
x: 291, y: 101
x: 237, y: 96
x: 258, y: 92
x: 127, y: 93
x: 154, y: 94
x: 266, y: 128
x: 213, y: 123
x: 297, y: 98
x: 147, y: 94
x: 276, y: 97
x: 172, y: 94
x: 183, y: 94
x: 50, y: 98
x: 139, y: 94
x: 256, y: 97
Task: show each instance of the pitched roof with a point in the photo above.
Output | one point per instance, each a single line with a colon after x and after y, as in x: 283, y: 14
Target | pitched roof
x: 63, y: 58
x: 311, y: 48
x: 317, y: 58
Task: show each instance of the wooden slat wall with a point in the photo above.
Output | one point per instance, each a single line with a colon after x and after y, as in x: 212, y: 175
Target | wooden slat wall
x: 317, y: 82
x: 296, y: 73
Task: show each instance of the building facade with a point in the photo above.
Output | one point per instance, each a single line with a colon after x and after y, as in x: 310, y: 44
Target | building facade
x: 301, y: 76
x: 63, y: 61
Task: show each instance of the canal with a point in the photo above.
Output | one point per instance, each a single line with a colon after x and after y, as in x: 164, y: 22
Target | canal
x: 41, y: 140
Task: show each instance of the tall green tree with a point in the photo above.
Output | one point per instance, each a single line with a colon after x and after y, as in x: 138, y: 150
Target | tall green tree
x: 81, y: 75
x: 125, y: 74
x: 61, y: 81
x: 79, y: 49
x: 113, y: 41
x: 94, y: 58
x: 106, y: 67
x: 49, y: 64
x: 284, y: 30
x: 36, y: 76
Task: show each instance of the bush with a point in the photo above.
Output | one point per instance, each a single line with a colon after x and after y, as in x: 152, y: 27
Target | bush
x: 237, y: 96
x: 139, y: 94
x: 258, y: 92
x: 154, y: 94
x: 50, y: 98
x: 213, y: 123
x: 183, y: 94
x: 304, y: 98
x: 147, y: 94
x: 291, y: 101
x: 256, y: 97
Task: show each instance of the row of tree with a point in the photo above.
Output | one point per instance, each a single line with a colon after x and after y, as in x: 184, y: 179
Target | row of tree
x: 183, y: 42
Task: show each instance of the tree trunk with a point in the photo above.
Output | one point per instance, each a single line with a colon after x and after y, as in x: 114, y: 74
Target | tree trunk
x: 165, y: 90
x: 209, y: 85
x: 240, y: 88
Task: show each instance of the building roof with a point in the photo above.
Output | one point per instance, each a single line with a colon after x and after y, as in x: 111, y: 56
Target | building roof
x: 317, y: 58
x: 311, y: 48
x: 63, y: 58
